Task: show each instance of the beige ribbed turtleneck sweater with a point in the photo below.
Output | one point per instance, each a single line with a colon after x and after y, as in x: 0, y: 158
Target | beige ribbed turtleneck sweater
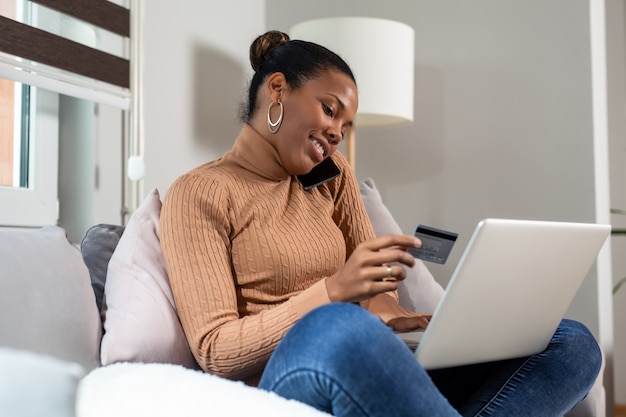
x: 247, y: 250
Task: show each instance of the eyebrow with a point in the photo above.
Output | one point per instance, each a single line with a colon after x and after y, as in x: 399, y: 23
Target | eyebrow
x: 341, y: 103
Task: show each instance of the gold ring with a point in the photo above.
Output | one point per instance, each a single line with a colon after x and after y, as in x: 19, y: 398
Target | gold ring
x: 389, y: 272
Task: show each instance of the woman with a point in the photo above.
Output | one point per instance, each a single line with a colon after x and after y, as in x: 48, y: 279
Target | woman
x: 289, y: 285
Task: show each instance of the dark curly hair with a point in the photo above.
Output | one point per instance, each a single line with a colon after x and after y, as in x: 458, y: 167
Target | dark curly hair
x: 299, y: 61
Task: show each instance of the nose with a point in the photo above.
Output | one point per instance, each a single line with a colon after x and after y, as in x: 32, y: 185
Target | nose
x: 334, y: 135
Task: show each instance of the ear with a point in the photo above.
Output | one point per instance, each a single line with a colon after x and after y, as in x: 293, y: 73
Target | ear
x: 276, y: 85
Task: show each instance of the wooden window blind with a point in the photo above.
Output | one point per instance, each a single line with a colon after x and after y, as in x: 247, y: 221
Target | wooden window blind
x: 37, y: 45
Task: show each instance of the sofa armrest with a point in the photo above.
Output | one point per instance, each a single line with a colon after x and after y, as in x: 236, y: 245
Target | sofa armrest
x: 37, y: 385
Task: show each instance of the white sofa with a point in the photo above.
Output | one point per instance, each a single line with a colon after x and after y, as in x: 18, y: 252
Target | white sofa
x: 54, y: 360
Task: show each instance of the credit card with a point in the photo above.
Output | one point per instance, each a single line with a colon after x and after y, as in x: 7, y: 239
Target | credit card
x: 436, y: 244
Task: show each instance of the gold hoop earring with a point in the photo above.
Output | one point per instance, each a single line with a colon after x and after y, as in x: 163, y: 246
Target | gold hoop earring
x: 274, y: 126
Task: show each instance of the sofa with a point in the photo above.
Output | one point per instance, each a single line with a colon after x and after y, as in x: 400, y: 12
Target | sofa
x: 91, y: 329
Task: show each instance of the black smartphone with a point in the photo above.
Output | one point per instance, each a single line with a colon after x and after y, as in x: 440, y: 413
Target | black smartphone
x: 321, y: 173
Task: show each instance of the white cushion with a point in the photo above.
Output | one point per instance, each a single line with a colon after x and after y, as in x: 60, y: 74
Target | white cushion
x: 153, y: 390
x: 140, y: 320
x: 46, y: 301
x: 35, y: 385
x: 419, y: 291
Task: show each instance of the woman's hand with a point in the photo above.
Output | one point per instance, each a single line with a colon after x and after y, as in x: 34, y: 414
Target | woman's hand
x: 372, y: 268
x: 394, y: 315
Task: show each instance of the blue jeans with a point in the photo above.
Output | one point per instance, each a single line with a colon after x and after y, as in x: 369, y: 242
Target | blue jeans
x: 344, y: 361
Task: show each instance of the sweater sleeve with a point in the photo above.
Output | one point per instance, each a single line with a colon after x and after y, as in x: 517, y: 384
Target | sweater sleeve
x: 195, y: 238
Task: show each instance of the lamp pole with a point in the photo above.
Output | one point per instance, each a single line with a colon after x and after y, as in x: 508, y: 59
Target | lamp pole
x: 350, y: 147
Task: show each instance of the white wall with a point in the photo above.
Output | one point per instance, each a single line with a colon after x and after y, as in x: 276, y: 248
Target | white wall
x: 503, y: 119
x: 196, y: 71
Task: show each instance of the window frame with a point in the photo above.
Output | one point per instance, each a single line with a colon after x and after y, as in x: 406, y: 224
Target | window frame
x: 37, y: 205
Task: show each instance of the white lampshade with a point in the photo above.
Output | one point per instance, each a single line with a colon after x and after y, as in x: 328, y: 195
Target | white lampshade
x: 380, y: 53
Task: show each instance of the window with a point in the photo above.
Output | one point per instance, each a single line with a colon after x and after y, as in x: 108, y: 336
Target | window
x: 29, y: 152
x: 10, y: 133
x: 61, y: 61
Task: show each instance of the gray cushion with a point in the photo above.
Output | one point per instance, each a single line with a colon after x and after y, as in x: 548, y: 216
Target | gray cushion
x: 419, y: 291
x: 97, y: 247
x: 47, y: 302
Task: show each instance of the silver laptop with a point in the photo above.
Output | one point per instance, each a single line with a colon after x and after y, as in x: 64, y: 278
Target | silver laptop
x: 509, y: 291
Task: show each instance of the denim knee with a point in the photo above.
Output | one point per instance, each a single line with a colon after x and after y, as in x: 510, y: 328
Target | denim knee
x: 343, y: 360
x: 579, y: 349
x: 324, y: 354
x: 336, y: 339
x: 344, y: 327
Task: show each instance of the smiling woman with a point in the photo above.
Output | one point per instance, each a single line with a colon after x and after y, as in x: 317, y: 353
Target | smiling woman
x: 287, y: 287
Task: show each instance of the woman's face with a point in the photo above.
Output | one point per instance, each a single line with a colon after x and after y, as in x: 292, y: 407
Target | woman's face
x: 316, y: 117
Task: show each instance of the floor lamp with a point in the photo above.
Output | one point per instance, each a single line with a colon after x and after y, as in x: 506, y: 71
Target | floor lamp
x: 381, y: 55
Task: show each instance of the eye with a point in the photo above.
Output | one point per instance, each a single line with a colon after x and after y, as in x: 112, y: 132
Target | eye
x: 328, y: 110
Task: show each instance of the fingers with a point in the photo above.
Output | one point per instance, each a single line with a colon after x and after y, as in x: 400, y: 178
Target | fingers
x: 398, y: 242
x: 358, y: 283
x: 387, y: 241
x: 374, y: 267
x: 406, y: 324
x: 389, y: 273
x: 392, y: 273
x: 358, y: 290
x: 378, y: 287
x: 390, y: 249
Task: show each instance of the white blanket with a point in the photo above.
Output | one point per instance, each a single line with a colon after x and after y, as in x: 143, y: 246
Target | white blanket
x: 154, y: 390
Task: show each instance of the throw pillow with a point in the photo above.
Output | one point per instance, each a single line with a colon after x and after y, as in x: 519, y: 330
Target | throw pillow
x: 97, y: 248
x: 419, y: 291
x: 140, y: 320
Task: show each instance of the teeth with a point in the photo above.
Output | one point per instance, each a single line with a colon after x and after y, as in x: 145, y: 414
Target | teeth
x: 318, y: 146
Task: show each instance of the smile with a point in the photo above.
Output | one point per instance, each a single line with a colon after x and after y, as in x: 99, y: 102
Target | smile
x: 320, y: 147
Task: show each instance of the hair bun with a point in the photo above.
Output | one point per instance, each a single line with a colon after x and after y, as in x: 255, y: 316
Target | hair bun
x: 265, y: 43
